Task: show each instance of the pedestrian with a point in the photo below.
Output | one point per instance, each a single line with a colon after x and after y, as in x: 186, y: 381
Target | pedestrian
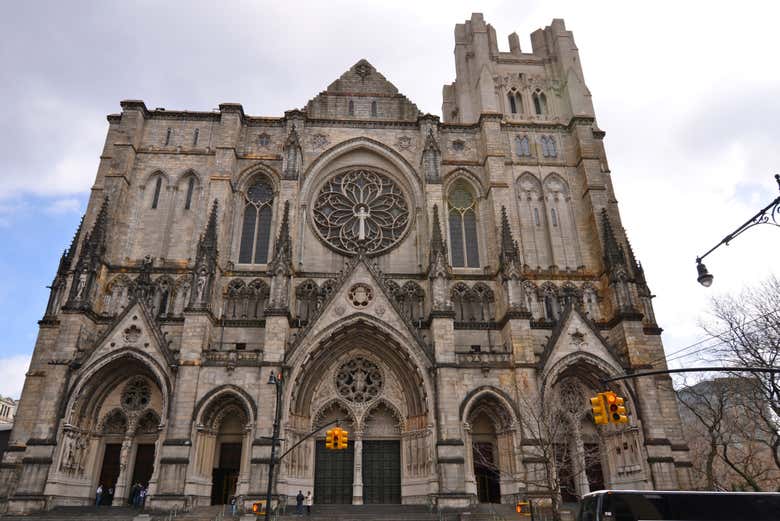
x: 135, y: 492
x: 299, y: 503
x: 309, y: 501
x: 233, y: 506
x: 142, y: 495
x: 98, y: 495
x: 110, y: 499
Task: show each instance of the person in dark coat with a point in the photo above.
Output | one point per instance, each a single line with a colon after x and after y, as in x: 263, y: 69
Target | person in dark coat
x: 299, y: 503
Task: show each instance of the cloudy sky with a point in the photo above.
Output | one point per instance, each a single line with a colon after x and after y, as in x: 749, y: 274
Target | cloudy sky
x: 688, y: 93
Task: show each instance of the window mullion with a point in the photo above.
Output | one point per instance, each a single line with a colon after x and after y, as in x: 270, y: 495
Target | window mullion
x: 254, y: 234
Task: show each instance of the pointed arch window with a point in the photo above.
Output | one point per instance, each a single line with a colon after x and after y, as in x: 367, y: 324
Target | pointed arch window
x: 549, y: 148
x: 540, y: 102
x: 190, y: 189
x: 156, y: 197
x: 553, y: 217
x: 195, y: 136
x: 168, y: 134
x: 463, y: 226
x: 351, y: 108
x: 256, y: 225
x: 523, y: 146
x: 374, y: 111
x: 512, y: 102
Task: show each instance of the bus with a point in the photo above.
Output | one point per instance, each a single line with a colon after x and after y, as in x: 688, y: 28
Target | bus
x: 641, y: 505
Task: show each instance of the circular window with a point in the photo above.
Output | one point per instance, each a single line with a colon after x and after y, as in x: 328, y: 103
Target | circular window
x: 136, y: 395
x: 359, y: 380
x: 361, y: 209
x: 360, y: 295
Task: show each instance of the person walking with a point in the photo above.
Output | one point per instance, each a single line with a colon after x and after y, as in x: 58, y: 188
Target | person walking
x: 233, y: 506
x: 308, y: 501
x: 142, y: 495
x: 98, y: 495
x: 299, y: 503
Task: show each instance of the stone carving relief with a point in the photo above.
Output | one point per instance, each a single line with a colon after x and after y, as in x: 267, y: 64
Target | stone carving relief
x: 405, y: 143
x: 360, y: 295
x: 319, y: 141
x: 131, y: 334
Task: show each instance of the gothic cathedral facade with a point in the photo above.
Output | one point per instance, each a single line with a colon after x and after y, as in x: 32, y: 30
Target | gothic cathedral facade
x: 436, y: 286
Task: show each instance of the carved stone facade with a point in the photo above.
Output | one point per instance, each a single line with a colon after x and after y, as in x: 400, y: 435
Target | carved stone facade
x: 421, y: 281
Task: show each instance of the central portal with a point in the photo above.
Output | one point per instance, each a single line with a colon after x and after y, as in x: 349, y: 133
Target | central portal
x: 333, y: 473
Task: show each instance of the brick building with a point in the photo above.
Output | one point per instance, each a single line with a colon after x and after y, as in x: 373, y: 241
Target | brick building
x: 423, y: 279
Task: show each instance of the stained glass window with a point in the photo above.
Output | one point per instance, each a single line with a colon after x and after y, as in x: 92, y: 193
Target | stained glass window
x: 256, y: 226
x: 463, y: 226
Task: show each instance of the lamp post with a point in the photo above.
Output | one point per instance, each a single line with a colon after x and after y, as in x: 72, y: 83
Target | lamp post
x: 770, y: 211
x: 276, y: 381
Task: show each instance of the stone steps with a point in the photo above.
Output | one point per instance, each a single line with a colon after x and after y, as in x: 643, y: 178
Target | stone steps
x: 91, y: 513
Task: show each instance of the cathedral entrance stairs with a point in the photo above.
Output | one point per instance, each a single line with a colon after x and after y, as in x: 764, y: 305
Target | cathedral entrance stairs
x: 364, y: 513
x: 79, y: 514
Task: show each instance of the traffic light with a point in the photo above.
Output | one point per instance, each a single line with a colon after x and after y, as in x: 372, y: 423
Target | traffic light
x: 599, y: 410
x: 617, y: 409
x: 330, y: 438
x: 619, y: 416
x: 343, y: 439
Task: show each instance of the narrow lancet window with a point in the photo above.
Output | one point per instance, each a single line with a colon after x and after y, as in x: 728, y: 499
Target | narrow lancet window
x: 195, y: 136
x: 157, y: 187
x: 190, y: 188
x: 168, y: 136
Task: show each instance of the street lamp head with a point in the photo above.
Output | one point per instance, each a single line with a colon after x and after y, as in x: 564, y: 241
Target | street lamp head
x: 705, y: 277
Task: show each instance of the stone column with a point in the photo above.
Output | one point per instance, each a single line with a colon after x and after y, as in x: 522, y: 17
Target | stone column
x: 578, y: 457
x: 242, y: 487
x: 120, y: 487
x: 471, y: 479
x: 357, y: 480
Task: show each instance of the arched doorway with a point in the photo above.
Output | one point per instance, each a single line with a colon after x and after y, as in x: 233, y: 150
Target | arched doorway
x: 221, y: 447
x: 490, y: 434
x: 110, y: 432
x: 379, y: 386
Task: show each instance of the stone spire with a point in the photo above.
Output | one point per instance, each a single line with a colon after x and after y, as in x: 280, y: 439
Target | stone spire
x: 511, y: 267
x: 283, y: 246
x: 280, y: 267
x: 89, y: 261
x: 510, y: 254
x: 58, y: 284
x: 614, y: 256
x: 439, y: 267
x: 205, y: 263
x: 431, y: 159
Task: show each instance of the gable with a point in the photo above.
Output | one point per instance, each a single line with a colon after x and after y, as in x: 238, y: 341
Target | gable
x: 362, y: 93
x: 574, y: 335
x: 360, y: 292
x: 134, y: 328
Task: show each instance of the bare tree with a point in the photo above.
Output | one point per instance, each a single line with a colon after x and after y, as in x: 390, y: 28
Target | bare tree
x: 748, y: 327
x: 725, y: 447
x: 552, y: 430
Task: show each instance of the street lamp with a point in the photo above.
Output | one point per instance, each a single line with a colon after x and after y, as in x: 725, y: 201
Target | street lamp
x: 770, y: 211
x: 276, y: 381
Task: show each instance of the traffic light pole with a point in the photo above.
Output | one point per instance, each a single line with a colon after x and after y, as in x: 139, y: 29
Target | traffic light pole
x: 274, y: 441
x: 694, y: 370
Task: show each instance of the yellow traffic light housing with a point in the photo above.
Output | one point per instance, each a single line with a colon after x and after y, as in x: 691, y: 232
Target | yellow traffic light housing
x: 619, y: 416
x: 330, y: 438
x: 599, y: 410
x: 343, y: 439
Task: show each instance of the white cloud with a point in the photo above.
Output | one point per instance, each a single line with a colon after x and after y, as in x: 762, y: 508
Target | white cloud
x: 60, y: 206
x: 12, y: 371
x: 685, y: 91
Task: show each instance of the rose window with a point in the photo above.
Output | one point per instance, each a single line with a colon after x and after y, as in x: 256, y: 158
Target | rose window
x: 136, y: 395
x: 361, y: 209
x: 359, y: 380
